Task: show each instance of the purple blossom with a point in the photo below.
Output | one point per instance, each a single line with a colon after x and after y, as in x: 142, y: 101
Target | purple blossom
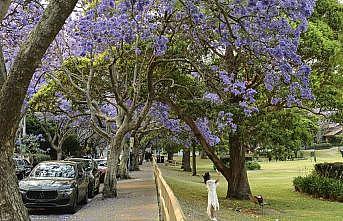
x: 213, y: 97
x: 203, y: 125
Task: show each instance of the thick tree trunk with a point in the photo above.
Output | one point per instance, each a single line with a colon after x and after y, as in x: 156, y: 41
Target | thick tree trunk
x: 194, y: 162
x: 110, y: 182
x: 238, y: 187
x: 3, y: 71
x: 187, y: 160
x: 170, y: 156
x: 12, y: 207
x: 123, y: 168
x: 12, y: 95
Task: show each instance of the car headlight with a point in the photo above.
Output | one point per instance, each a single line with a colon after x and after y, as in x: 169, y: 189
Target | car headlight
x: 67, y: 191
x: 21, y: 190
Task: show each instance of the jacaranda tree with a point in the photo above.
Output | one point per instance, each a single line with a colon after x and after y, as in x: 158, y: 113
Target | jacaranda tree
x: 232, y: 50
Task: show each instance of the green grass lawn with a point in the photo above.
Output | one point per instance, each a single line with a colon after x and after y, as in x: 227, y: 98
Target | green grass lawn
x: 273, y: 182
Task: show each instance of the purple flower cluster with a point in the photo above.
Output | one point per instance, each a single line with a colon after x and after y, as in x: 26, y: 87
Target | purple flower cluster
x: 213, y: 97
x: 109, y: 110
x: 160, y: 112
x: 225, y: 119
x: 161, y: 45
x: 267, y: 31
x: 203, y: 125
x: 112, y: 24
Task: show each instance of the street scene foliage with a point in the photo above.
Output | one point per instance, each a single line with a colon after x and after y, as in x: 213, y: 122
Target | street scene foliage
x: 252, y: 90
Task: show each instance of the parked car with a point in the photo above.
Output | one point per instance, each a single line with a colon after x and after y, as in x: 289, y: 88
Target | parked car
x: 27, y: 166
x: 20, y: 169
x: 55, y: 184
x: 91, y: 169
x: 102, y: 167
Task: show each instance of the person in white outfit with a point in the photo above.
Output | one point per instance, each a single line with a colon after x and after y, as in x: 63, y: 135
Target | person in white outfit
x: 212, y: 199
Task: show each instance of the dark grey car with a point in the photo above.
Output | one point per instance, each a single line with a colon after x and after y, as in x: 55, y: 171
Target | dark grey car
x: 20, y: 169
x: 91, y: 168
x: 55, y: 184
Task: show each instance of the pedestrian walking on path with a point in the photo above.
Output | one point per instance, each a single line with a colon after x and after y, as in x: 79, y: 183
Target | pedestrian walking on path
x: 212, y: 200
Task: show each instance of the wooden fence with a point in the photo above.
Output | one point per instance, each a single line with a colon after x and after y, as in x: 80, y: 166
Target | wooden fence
x: 170, y: 209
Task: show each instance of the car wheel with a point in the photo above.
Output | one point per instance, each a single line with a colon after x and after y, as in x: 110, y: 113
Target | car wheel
x: 85, y: 199
x: 73, y: 208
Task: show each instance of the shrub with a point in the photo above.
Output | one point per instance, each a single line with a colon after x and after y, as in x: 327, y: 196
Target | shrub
x: 41, y: 157
x: 330, y: 170
x: 252, y: 165
x: 321, y: 146
x: 319, y: 186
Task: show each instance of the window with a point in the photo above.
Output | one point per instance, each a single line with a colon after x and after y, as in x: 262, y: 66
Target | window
x: 54, y: 170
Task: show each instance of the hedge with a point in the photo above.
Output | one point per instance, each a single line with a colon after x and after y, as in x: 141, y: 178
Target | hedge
x: 319, y: 186
x: 252, y: 165
x: 330, y: 170
x: 321, y: 146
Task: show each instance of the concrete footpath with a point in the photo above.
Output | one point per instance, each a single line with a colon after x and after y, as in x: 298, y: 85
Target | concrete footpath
x: 137, y: 201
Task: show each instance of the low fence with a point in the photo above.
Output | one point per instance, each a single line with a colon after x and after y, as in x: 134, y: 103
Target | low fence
x: 170, y: 209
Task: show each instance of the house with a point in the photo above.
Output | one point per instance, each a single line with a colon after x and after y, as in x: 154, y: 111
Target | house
x: 331, y: 131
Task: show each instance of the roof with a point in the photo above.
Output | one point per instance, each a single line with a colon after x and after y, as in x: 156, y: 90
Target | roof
x: 334, y: 131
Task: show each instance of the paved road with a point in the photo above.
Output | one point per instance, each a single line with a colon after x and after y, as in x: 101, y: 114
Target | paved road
x: 137, y: 201
x: 56, y: 215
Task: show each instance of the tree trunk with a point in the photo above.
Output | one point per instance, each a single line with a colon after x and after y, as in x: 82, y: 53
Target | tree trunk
x: 123, y: 168
x: 187, y: 160
x: 238, y: 185
x: 203, y: 154
x: 135, y: 155
x: 12, y: 95
x: 194, y: 166
x: 58, y: 149
x: 110, y: 182
x: 170, y: 156
x: 59, y: 154
x: 141, y: 157
x: 3, y: 71
x: 11, y: 204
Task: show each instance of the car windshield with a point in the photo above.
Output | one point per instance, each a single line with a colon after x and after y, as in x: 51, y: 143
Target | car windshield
x: 54, y: 170
x: 18, y: 162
